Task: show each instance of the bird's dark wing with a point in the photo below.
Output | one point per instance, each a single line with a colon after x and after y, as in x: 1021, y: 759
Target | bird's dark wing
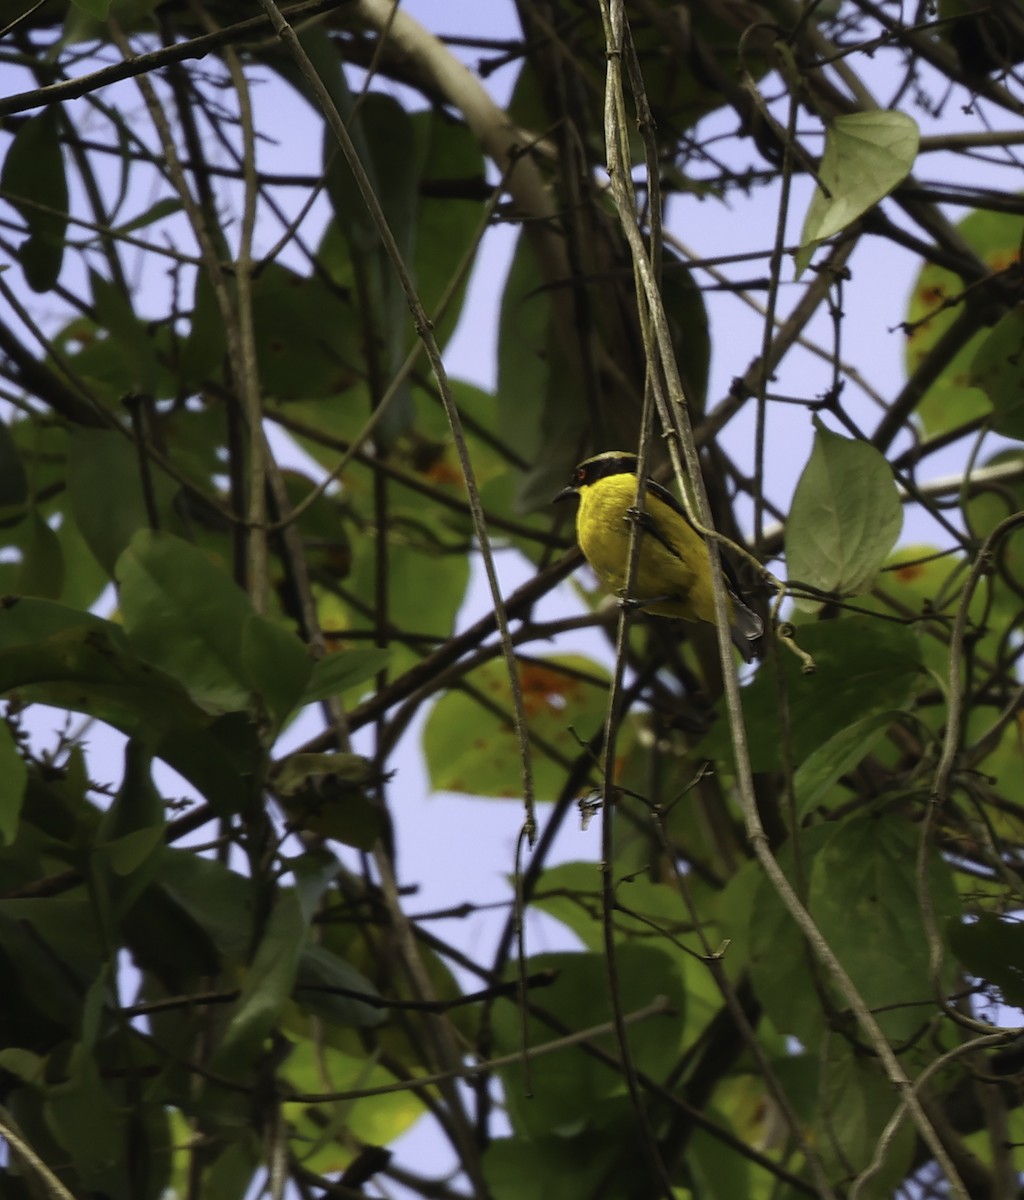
x: 666, y: 497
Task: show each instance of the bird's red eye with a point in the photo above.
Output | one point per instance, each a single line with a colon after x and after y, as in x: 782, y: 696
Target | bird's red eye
x: 580, y: 474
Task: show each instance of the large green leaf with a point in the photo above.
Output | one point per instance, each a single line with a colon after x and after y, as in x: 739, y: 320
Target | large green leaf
x: 855, y: 1103
x: 132, y: 336
x: 936, y: 301
x: 338, y: 672
x: 788, y: 981
x: 998, y: 369
x: 570, y: 1087
x: 864, y: 667
x: 866, y: 155
x: 184, y: 614
x: 845, y: 518
x: 86, y: 1121
x: 326, y: 1137
x: 266, y: 989
x: 991, y: 947
x: 34, y: 181
x: 471, y: 746
x: 105, y: 492
x: 130, y: 834
x: 863, y: 895
x: 54, y: 655
x: 41, y: 570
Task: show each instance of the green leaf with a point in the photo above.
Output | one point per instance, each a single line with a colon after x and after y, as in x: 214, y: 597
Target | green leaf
x: 470, y: 747
x: 845, y: 518
x: 134, y: 345
x: 206, y: 343
x: 34, y: 181
x: 105, y: 492
x: 84, y: 1118
x: 384, y: 139
x: 524, y: 358
x: 936, y: 301
x: 207, y: 894
x: 58, y: 656
x: 13, y: 777
x: 336, y: 673
x: 298, y: 358
x: 866, y: 155
x: 780, y: 963
x: 323, y: 986
x: 185, y: 615
x: 166, y: 207
x: 131, y: 832
x: 325, y: 794
x: 863, y: 895
x: 277, y: 665
x: 41, y: 572
x: 818, y: 773
x: 570, y: 1087
x: 24, y: 1064
x: 998, y: 369
x: 326, y: 1137
x: 445, y: 225
x: 592, y: 1161
x: 856, y: 1101
x: 991, y: 947
x: 267, y: 988
x: 864, y: 667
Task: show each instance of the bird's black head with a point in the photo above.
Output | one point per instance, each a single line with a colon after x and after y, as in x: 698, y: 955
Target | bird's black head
x: 611, y: 462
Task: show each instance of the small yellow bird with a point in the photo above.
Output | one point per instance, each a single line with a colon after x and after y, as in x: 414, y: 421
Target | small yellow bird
x: 673, y: 572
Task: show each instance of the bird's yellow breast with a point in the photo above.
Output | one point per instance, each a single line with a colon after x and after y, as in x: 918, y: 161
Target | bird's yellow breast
x: 673, y: 572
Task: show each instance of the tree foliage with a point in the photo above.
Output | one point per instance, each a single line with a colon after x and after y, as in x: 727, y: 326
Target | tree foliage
x: 798, y: 963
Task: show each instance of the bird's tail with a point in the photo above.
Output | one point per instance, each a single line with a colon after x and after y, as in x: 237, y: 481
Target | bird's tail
x: 747, y: 629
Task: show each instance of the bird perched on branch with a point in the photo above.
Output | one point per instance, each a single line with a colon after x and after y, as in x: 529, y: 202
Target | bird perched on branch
x: 673, y: 572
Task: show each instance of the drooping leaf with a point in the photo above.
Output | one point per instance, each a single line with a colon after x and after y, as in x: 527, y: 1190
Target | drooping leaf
x: 56, y: 655
x: 34, y: 180
x: 185, y: 615
x: 864, y: 667
x: 866, y: 155
x: 268, y: 984
x: 85, y: 1118
x: 570, y: 1088
x: 998, y: 369
x: 936, y: 301
x: 105, y: 492
x: 785, y: 976
x: 991, y: 947
x: 276, y: 664
x: 846, y: 516
x: 864, y: 897
x: 129, y: 837
x: 841, y: 753
x: 41, y: 570
x: 855, y: 1103
x: 338, y: 672
x: 135, y: 346
x: 471, y: 746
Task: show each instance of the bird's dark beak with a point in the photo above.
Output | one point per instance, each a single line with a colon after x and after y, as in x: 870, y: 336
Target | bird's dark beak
x: 567, y: 493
